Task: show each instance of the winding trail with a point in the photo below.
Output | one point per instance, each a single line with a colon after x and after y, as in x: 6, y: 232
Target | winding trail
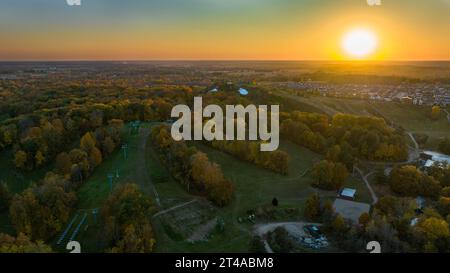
x: 416, y: 145
x: 448, y: 115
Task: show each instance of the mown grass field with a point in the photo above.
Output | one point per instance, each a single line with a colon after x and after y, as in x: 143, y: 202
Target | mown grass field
x: 96, y: 189
x: 416, y: 120
x: 412, y: 118
x: 255, y: 188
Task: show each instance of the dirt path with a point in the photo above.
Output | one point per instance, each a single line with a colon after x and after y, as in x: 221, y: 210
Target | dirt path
x: 448, y: 115
x: 174, y: 208
x: 366, y: 181
x: 142, y: 175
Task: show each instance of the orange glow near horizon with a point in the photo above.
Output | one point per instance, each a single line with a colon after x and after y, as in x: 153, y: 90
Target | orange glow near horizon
x: 401, y: 32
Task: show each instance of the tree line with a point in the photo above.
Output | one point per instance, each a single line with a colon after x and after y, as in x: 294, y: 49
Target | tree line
x: 43, y: 210
x: 192, y: 168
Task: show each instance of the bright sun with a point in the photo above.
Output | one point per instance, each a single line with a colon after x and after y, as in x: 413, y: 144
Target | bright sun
x: 359, y: 43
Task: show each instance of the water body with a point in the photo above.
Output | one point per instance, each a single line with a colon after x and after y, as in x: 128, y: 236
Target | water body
x: 243, y: 91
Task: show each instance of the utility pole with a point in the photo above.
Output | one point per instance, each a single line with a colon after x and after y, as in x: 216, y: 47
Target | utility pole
x: 124, y: 148
x: 94, y: 214
x: 110, y: 180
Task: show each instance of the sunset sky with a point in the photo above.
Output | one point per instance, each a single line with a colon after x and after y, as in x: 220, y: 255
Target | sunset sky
x: 220, y: 29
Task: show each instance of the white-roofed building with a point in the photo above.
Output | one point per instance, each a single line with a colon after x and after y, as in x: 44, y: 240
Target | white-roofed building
x: 348, y: 193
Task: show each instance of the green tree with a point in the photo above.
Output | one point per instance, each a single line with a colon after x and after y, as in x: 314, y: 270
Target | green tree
x: 5, y: 196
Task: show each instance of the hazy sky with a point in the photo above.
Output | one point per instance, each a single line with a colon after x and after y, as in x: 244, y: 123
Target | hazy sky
x: 219, y: 29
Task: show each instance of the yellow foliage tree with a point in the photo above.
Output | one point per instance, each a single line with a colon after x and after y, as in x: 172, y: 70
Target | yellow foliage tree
x: 88, y: 142
x: 434, y: 228
x: 435, y: 112
x: 20, y: 159
x: 39, y: 158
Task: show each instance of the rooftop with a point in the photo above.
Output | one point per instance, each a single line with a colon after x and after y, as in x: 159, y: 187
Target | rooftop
x: 347, y: 192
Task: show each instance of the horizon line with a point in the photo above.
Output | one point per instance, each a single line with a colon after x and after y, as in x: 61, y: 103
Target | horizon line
x: 220, y: 60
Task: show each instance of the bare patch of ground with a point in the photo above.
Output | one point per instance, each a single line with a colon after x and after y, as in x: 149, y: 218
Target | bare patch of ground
x: 202, y: 232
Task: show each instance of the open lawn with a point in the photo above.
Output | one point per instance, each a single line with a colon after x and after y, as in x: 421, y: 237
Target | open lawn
x: 187, y: 223
x: 255, y: 189
x: 412, y: 118
x: 350, y: 106
x: 416, y: 120
x: 96, y: 189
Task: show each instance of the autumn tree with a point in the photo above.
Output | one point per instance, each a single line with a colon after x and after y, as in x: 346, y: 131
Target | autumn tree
x: 339, y: 226
x: 20, y: 159
x: 435, y: 112
x: 22, y: 244
x: 88, y: 142
x: 409, y: 181
x: 433, y: 230
x: 208, y: 177
x: 312, y: 207
x: 63, y: 163
x: 95, y: 157
x: 126, y: 216
x: 193, y: 168
x: 39, y: 158
x: 364, y: 219
x: 42, y: 211
x: 329, y: 175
